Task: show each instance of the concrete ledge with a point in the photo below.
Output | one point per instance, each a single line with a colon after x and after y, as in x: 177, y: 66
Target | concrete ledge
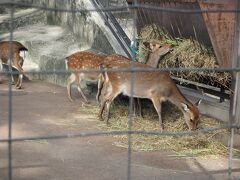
x: 210, y: 105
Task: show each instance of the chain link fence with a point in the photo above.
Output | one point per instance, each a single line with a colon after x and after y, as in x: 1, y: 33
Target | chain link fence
x: 126, y: 16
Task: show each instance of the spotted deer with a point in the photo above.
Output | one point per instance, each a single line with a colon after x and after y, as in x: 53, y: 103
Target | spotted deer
x: 156, y: 86
x: 80, y: 61
x: 17, y: 60
x: 85, y: 60
x: 156, y: 51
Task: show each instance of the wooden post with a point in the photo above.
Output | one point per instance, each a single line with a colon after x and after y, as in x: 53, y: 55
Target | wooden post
x: 221, y: 28
x: 235, y: 100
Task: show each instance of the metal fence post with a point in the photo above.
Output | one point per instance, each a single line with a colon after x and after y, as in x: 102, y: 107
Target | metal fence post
x: 234, y: 115
x: 235, y: 100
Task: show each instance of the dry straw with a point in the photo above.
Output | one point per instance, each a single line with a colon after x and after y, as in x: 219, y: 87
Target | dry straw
x: 186, y: 53
x: 196, y: 145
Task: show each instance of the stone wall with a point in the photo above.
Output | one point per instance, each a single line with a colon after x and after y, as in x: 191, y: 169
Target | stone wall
x: 55, y: 35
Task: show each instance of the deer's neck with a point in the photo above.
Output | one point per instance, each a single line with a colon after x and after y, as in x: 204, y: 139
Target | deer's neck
x: 153, y: 59
x: 179, y: 99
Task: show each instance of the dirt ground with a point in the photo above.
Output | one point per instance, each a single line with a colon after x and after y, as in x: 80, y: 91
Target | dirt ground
x: 42, y: 109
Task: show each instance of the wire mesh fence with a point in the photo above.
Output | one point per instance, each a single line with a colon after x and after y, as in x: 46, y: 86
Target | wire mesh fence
x: 130, y: 16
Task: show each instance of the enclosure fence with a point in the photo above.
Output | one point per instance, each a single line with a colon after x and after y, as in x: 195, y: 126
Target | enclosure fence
x: 132, y: 8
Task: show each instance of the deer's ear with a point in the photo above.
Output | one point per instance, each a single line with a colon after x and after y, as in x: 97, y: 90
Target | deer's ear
x: 151, y: 46
x: 198, y: 102
x: 185, y: 107
x: 146, y: 44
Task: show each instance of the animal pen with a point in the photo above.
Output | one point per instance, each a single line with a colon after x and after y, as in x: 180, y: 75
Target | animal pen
x: 203, y: 61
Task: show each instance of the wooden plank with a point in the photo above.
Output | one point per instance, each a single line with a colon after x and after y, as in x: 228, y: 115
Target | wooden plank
x: 221, y: 28
x: 210, y: 105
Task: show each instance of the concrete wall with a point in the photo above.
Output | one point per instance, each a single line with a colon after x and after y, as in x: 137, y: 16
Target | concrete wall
x: 58, y: 34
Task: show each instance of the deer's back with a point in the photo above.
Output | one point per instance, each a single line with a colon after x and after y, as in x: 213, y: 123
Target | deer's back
x: 88, y: 59
x: 84, y: 60
x: 145, y: 84
x: 16, y: 47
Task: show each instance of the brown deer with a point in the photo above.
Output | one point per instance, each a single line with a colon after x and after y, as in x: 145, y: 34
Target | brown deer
x: 17, y: 60
x: 156, y: 86
x: 156, y: 51
x: 91, y: 60
x: 84, y: 60
x: 80, y: 61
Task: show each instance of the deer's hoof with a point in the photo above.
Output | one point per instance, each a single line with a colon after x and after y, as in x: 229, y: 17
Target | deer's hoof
x: 18, y: 87
x: 161, y: 128
x: 70, y: 99
x: 100, y: 118
x: 87, y: 102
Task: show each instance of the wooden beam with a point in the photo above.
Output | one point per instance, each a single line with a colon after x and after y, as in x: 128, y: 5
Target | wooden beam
x: 221, y: 27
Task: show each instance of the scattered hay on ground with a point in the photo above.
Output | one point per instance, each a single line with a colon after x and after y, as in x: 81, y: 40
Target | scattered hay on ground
x: 195, y: 145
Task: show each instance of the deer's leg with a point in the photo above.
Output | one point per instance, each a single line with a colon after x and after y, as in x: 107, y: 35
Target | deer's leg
x: 80, y: 89
x: 22, y: 74
x: 1, y: 69
x: 158, y: 107
x: 111, y: 98
x: 17, y: 64
x: 100, y: 114
x: 134, y: 106
x: 14, y: 80
x: 102, y: 93
x: 107, y: 100
x: 138, y: 107
x: 104, y: 102
x: 108, y: 105
x: 19, y: 82
x: 1, y: 66
x: 100, y: 87
x: 71, y: 79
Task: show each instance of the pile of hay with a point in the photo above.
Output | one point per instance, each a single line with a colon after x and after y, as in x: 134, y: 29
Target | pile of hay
x: 152, y: 33
x: 196, y: 145
x: 186, y: 53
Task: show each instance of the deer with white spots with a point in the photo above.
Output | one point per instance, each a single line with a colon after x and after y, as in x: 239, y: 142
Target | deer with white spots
x: 80, y: 61
x: 17, y: 60
x: 85, y: 60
